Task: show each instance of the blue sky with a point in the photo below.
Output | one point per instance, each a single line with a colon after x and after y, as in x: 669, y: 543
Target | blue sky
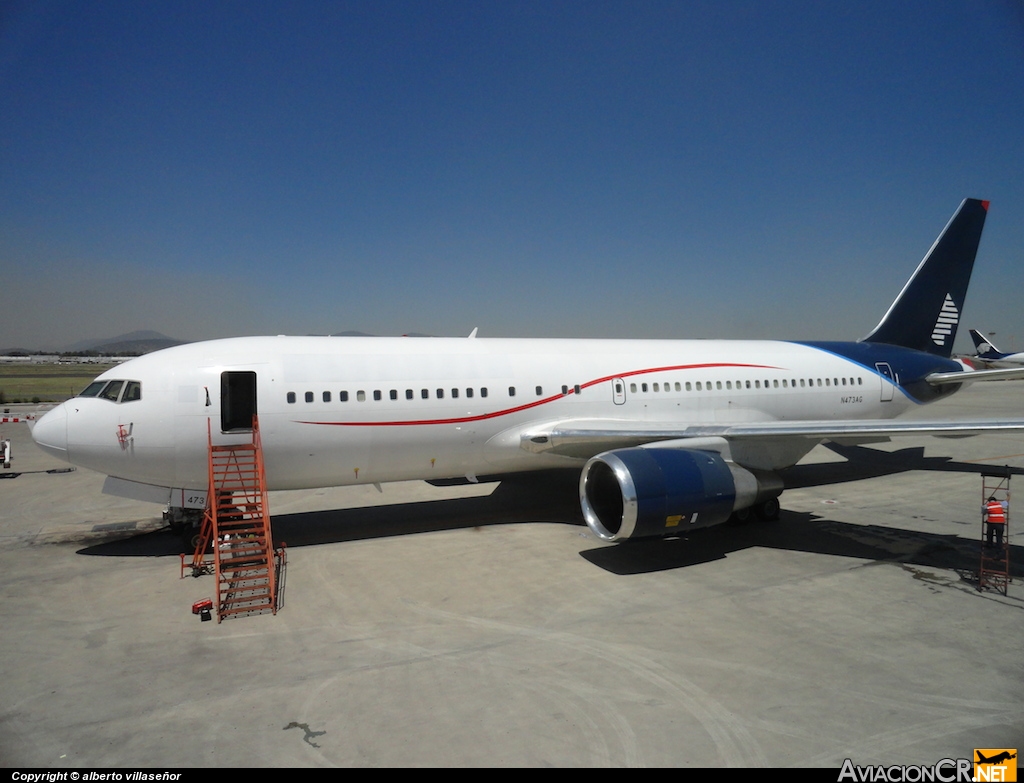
x: 636, y: 169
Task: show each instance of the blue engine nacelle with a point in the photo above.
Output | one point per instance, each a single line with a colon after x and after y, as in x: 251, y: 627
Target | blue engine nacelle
x: 642, y: 492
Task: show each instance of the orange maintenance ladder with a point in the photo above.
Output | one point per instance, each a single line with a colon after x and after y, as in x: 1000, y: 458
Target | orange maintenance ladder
x: 247, y: 568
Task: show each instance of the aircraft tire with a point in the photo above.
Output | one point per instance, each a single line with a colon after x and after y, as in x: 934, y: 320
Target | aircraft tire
x: 190, y: 538
x: 741, y: 516
x: 769, y: 510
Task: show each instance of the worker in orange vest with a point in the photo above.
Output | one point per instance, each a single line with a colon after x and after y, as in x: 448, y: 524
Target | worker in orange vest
x: 994, y: 515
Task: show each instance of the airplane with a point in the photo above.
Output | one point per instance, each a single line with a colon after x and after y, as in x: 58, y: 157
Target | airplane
x: 990, y: 356
x: 668, y: 435
x: 996, y: 759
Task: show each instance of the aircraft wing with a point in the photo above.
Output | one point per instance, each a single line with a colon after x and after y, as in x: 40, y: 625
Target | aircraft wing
x: 584, y: 439
x: 941, y: 378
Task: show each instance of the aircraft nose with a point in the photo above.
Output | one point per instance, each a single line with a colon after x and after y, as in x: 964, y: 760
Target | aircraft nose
x: 51, y: 432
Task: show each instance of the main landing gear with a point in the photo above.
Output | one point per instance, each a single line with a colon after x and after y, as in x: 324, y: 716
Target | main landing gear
x: 186, y: 523
x: 766, y: 511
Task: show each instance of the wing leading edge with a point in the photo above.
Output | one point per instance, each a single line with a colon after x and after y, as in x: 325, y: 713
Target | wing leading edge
x: 586, y: 439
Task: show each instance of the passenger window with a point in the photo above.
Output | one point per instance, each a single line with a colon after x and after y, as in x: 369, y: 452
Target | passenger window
x: 408, y: 394
x: 565, y: 389
x: 643, y: 386
x: 327, y: 396
x: 376, y: 395
x: 511, y: 391
x: 483, y: 391
x: 132, y: 392
x: 424, y: 394
x: 440, y: 394
x: 360, y: 396
x: 632, y: 388
x: 343, y: 396
x: 393, y: 394
x: 455, y: 394
x: 469, y: 392
x: 540, y: 391
x: 309, y: 396
x: 576, y: 389
x: 291, y: 397
x: 657, y: 387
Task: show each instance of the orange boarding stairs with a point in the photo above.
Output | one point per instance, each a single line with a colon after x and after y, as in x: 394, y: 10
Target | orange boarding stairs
x: 237, y: 522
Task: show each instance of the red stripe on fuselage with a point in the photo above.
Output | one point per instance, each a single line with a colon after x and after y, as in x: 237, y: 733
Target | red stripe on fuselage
x: 535, y: 403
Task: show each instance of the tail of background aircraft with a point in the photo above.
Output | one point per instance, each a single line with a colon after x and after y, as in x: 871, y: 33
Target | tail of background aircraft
x: 926, y: 314
x: 985, y: 347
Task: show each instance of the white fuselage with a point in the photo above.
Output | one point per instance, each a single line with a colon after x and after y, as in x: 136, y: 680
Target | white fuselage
x: 358, y: 410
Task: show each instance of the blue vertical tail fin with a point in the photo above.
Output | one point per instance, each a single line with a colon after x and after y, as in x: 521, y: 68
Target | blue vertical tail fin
x: 985, y: 348
x: 927, y: 312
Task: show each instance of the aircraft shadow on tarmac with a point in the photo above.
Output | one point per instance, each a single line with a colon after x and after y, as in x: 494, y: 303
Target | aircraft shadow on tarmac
x: 863, y: 463
x: 799, y: 532
x: 552, y: 497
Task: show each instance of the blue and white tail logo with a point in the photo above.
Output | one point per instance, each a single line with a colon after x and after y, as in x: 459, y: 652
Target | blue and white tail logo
x: 949, y: 316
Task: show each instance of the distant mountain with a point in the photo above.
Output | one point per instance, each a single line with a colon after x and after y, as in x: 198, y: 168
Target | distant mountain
x: 95, y: 343
x: 136, y: 346
x: 145, y: 341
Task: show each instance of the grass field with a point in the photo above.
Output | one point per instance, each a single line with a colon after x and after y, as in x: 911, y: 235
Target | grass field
x: 47, y: 382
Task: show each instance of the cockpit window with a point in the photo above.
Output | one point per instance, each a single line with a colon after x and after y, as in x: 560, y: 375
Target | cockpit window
x: 92, y: 389
x: 111, y: 390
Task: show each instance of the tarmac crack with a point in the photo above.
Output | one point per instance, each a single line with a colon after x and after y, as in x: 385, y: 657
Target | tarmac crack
x: 308, y: 735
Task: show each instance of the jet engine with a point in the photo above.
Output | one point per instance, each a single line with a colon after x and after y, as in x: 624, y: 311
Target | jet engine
x: 643, y: 492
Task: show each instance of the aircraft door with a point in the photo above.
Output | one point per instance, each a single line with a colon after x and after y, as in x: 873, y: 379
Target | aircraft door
x: 237, y: 400
x: 618, y: 391
x: 887, y: 374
